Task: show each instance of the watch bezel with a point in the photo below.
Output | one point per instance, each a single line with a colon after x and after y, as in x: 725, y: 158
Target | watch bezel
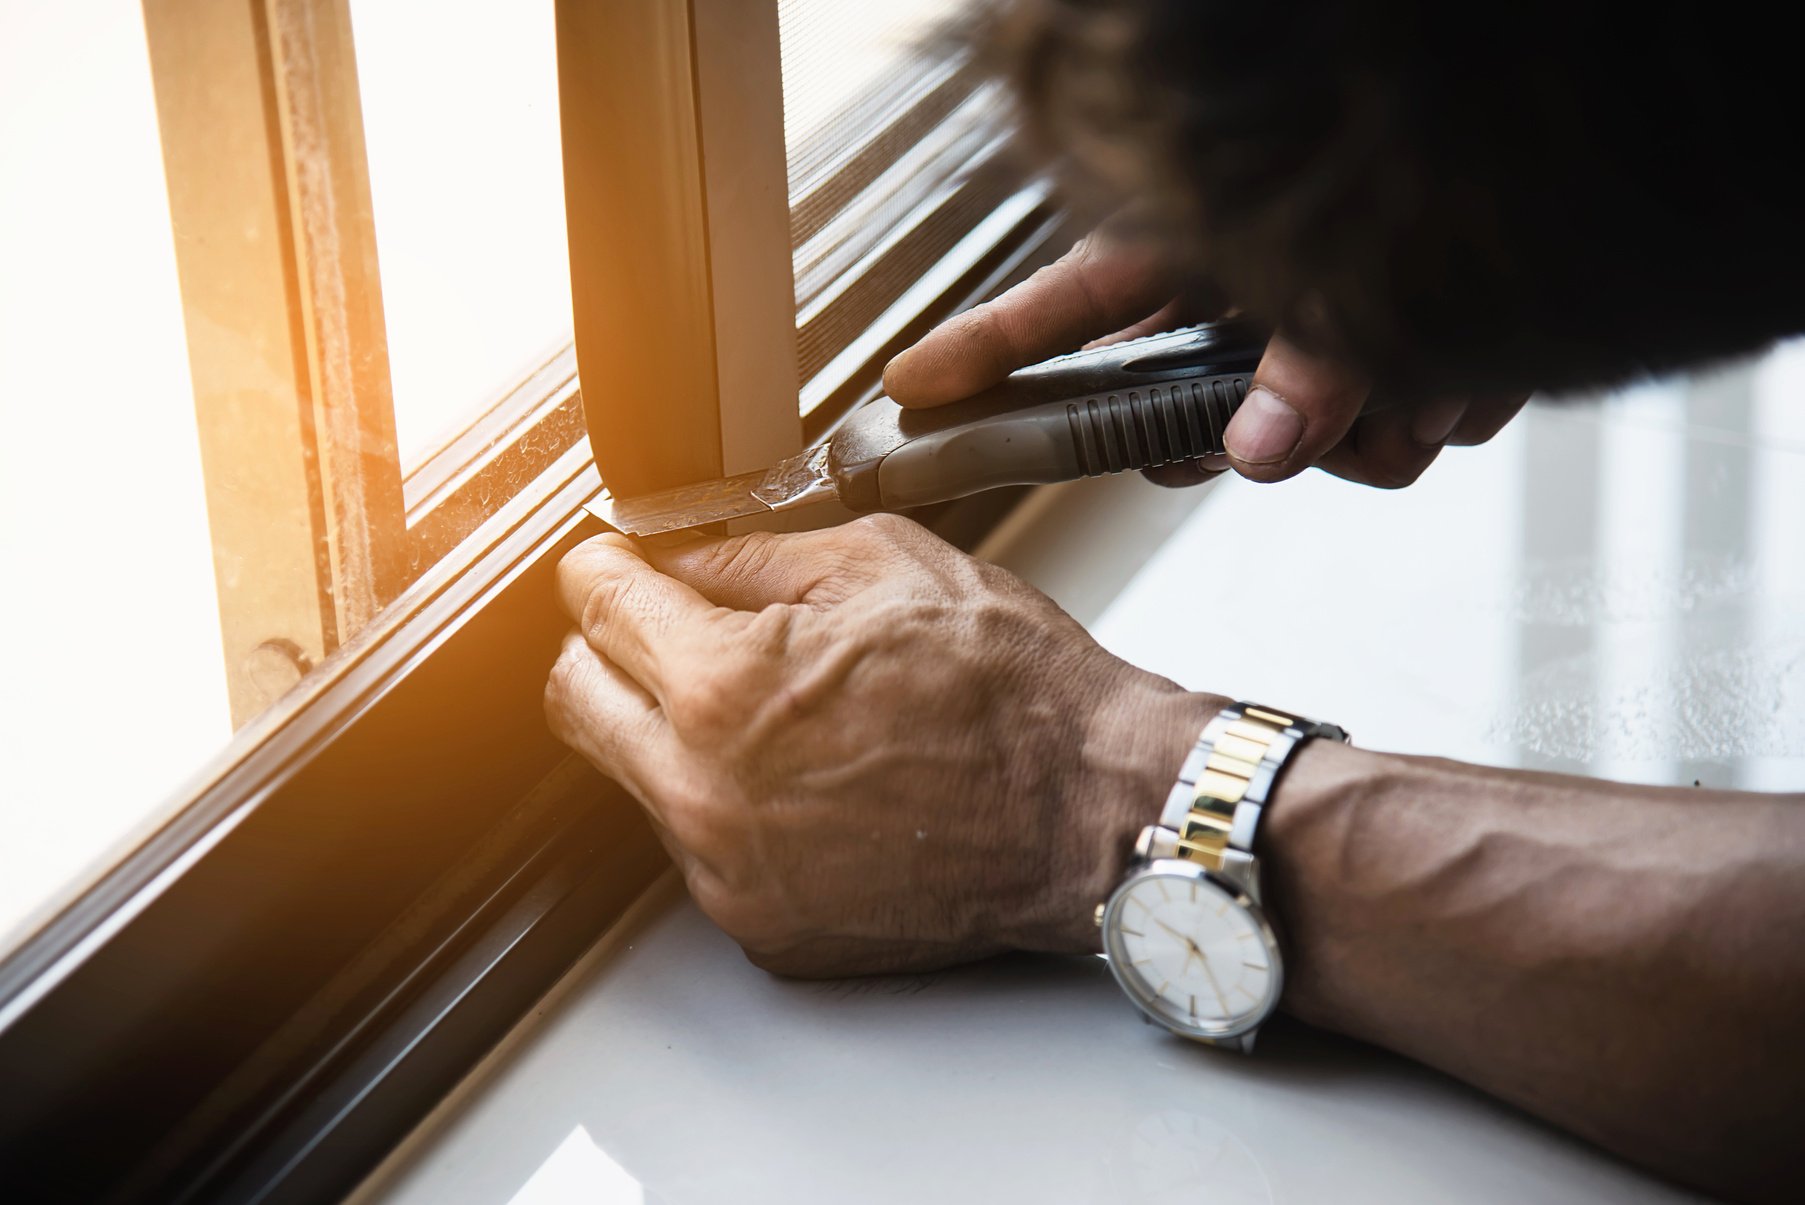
x: 1116, y: 954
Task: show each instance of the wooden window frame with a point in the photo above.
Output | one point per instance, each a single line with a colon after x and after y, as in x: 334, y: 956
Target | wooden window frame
x: 680, y: 268
x: 389, y: 864
x: 257, y: 106
x: 315, y: 526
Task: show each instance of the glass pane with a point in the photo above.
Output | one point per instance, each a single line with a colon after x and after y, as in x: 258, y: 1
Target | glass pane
x: 836, y: 55
x: 460, y: 103
x: 890, y: 129
x: 114, y: 682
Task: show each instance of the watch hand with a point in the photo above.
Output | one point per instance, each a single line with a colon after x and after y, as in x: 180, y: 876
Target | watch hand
x: 1191, y: 951
x: 1214, y: 986
x: 1190, y: 946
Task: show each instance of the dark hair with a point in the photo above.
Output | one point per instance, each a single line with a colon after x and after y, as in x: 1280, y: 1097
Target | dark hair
x: 1454, y: 197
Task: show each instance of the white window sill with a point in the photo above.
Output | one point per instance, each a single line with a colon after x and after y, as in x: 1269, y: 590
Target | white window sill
x: 1586, y: 565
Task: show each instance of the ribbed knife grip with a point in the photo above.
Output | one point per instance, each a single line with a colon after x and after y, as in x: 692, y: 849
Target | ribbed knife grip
x: 1161, y: 424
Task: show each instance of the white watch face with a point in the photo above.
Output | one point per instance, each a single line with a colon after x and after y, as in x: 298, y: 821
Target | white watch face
x: 1193, y: 953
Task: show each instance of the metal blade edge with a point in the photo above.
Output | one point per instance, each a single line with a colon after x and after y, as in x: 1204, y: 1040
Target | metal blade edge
x: 685, y: 506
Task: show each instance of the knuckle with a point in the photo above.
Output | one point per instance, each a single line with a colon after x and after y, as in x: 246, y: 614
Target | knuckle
x: 1086, y: 251
x: 604, y: 596
x: 977, y: 322
x: 980, y: 341
x: 774, y: 946
x: 558, y: 682
x: 562, y: 684
x: 573, y: 566
x: 581, y: 563
x: 553, y: 701
x: 597, y: 574
x: 1398, y: 471
x: 767, y: 637
x: 1485, y: 418
x: 740, y: 914
x: 781, y: 961
x: 734, y: 680
x: 1056, y: 275
x: 768, y: 961
x: 705, y: 704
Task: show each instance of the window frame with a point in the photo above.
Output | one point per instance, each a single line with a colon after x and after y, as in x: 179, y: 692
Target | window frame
x: 385, y: 868
x: 681, y: 289
x: 277, y: 270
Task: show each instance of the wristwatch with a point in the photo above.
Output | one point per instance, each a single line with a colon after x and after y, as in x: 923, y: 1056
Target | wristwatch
x: 1185, y: 934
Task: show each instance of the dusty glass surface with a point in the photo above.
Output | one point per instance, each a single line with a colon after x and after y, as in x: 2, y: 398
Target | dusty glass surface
x: 835, y: 54
x: 460, y: 104
x: 113, y: 682
x: 885, y: 119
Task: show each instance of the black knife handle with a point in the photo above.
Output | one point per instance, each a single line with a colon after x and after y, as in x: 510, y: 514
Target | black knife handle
x: 1160, y: 400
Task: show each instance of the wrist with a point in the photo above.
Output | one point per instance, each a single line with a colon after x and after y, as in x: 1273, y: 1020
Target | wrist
x: 1302, y: 834
x: 1130, y: 751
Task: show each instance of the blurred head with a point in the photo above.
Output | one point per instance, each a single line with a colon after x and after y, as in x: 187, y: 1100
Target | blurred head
x: 1510, y: 197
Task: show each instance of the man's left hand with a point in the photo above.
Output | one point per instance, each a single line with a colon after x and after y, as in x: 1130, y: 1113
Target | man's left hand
x: 865, y: 750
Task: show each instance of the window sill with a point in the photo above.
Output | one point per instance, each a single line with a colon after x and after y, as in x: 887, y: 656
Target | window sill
x: 1026, y: 1076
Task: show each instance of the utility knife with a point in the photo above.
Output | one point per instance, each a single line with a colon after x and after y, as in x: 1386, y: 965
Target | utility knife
x: 1160, y: 400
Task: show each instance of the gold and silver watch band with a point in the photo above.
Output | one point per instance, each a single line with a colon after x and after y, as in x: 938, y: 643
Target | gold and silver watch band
x: 1213, y: 812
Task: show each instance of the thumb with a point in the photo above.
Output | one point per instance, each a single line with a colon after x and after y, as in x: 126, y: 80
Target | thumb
x: 1299, y: 406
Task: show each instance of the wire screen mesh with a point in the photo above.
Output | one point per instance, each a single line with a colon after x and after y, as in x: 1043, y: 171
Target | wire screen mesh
x: 887, y: 123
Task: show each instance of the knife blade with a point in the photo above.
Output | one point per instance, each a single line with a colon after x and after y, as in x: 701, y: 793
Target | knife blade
x: 1163, y: 399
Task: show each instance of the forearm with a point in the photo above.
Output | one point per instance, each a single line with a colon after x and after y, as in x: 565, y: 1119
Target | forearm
x: 1628, y: 962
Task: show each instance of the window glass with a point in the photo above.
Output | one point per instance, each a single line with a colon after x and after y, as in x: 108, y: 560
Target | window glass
x: 889, y: 126
x: 460, y: 105
x: 837, y: 55
x: 114, y: 686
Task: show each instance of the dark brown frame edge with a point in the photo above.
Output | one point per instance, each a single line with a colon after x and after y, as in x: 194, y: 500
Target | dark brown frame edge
x: 289, y: 886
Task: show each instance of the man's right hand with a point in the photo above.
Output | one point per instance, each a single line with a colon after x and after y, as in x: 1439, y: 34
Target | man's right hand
x: 1301, y: 410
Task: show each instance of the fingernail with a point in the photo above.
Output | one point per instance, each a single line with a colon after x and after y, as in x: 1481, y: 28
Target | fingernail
x: 1434, y: 422
x: 1215, y: 462
x: 1265, y: 429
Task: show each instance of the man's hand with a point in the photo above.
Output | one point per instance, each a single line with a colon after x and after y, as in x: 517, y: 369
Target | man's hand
x: 1301, y: 410
x: 866, y: 750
